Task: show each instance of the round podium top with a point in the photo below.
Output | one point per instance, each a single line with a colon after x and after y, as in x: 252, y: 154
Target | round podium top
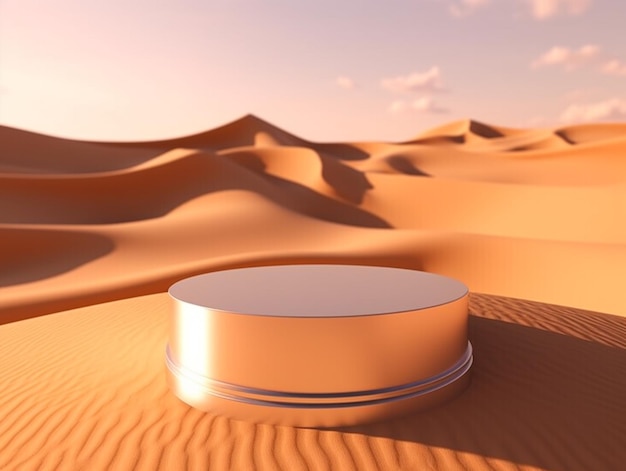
x: 317, y: 290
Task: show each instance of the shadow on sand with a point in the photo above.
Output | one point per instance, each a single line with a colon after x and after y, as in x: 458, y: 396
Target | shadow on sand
x: 537, y: 397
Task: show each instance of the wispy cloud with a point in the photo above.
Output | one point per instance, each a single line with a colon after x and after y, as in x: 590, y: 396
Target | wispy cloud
x: 568, y: 58
x: 614, y: 67
x: 611, y: 109
x: 345, y: 82
x: 544, y: 9
x: 588, y: 55
x: 425, y: 104
x: 415, y: 82
x: 539, y: 9
x: 425, y: 83
x: 466, y: 7
x: 397, y: 106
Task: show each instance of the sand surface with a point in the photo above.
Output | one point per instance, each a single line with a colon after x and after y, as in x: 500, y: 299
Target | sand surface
x: 94, y: 233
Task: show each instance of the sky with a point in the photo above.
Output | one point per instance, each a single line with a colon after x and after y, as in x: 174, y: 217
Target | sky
x: 325, y: 70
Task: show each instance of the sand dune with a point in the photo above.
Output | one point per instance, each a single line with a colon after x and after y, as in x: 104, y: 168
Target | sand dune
x: 31, y: 153
x: 86, y: 389
x: 532, y: 214
x: 248, y: 130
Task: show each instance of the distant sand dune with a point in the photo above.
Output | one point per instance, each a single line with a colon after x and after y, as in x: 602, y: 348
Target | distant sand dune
x: 246, y: 131
x: 559, y: 191
x: 27, y: 152
x: 533, y: 214
x: 589, y: 133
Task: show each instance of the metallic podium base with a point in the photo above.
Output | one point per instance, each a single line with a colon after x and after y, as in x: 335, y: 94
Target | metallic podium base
x: 318, y: 345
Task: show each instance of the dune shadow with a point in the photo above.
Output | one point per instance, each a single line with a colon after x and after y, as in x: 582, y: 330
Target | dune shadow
x: 339, y: 151
x: 520, y: 149
x: 537, y: 398
x: 404, y: 165
x: 307, y: 201
x: 563, y: 135
x: 436, y: 140
x: 484, y: 130
x: 347, y: 182
x: 31, y: 255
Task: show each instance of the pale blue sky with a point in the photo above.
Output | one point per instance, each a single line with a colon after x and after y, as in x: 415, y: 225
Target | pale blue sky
x: 144, y: 69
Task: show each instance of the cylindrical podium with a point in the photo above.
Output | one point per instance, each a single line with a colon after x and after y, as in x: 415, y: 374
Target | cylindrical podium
x: 318, y: 345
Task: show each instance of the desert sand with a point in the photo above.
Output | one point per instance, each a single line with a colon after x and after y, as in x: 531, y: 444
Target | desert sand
x: 93, y: 234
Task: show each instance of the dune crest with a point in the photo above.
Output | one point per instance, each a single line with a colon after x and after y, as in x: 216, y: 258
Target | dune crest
x: 585, y: 133
x: 240, y: 132
x: 467, y: 131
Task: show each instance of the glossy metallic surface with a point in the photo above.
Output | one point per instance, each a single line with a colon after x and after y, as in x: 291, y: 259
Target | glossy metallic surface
x: 377, y: 361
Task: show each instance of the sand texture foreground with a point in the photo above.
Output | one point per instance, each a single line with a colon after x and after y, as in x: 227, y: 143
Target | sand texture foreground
x: 86, y: 389
x: 92, y: 234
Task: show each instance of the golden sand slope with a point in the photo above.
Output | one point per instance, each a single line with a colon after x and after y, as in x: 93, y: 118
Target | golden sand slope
x: 531, y: 214
x: 86, y: 390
